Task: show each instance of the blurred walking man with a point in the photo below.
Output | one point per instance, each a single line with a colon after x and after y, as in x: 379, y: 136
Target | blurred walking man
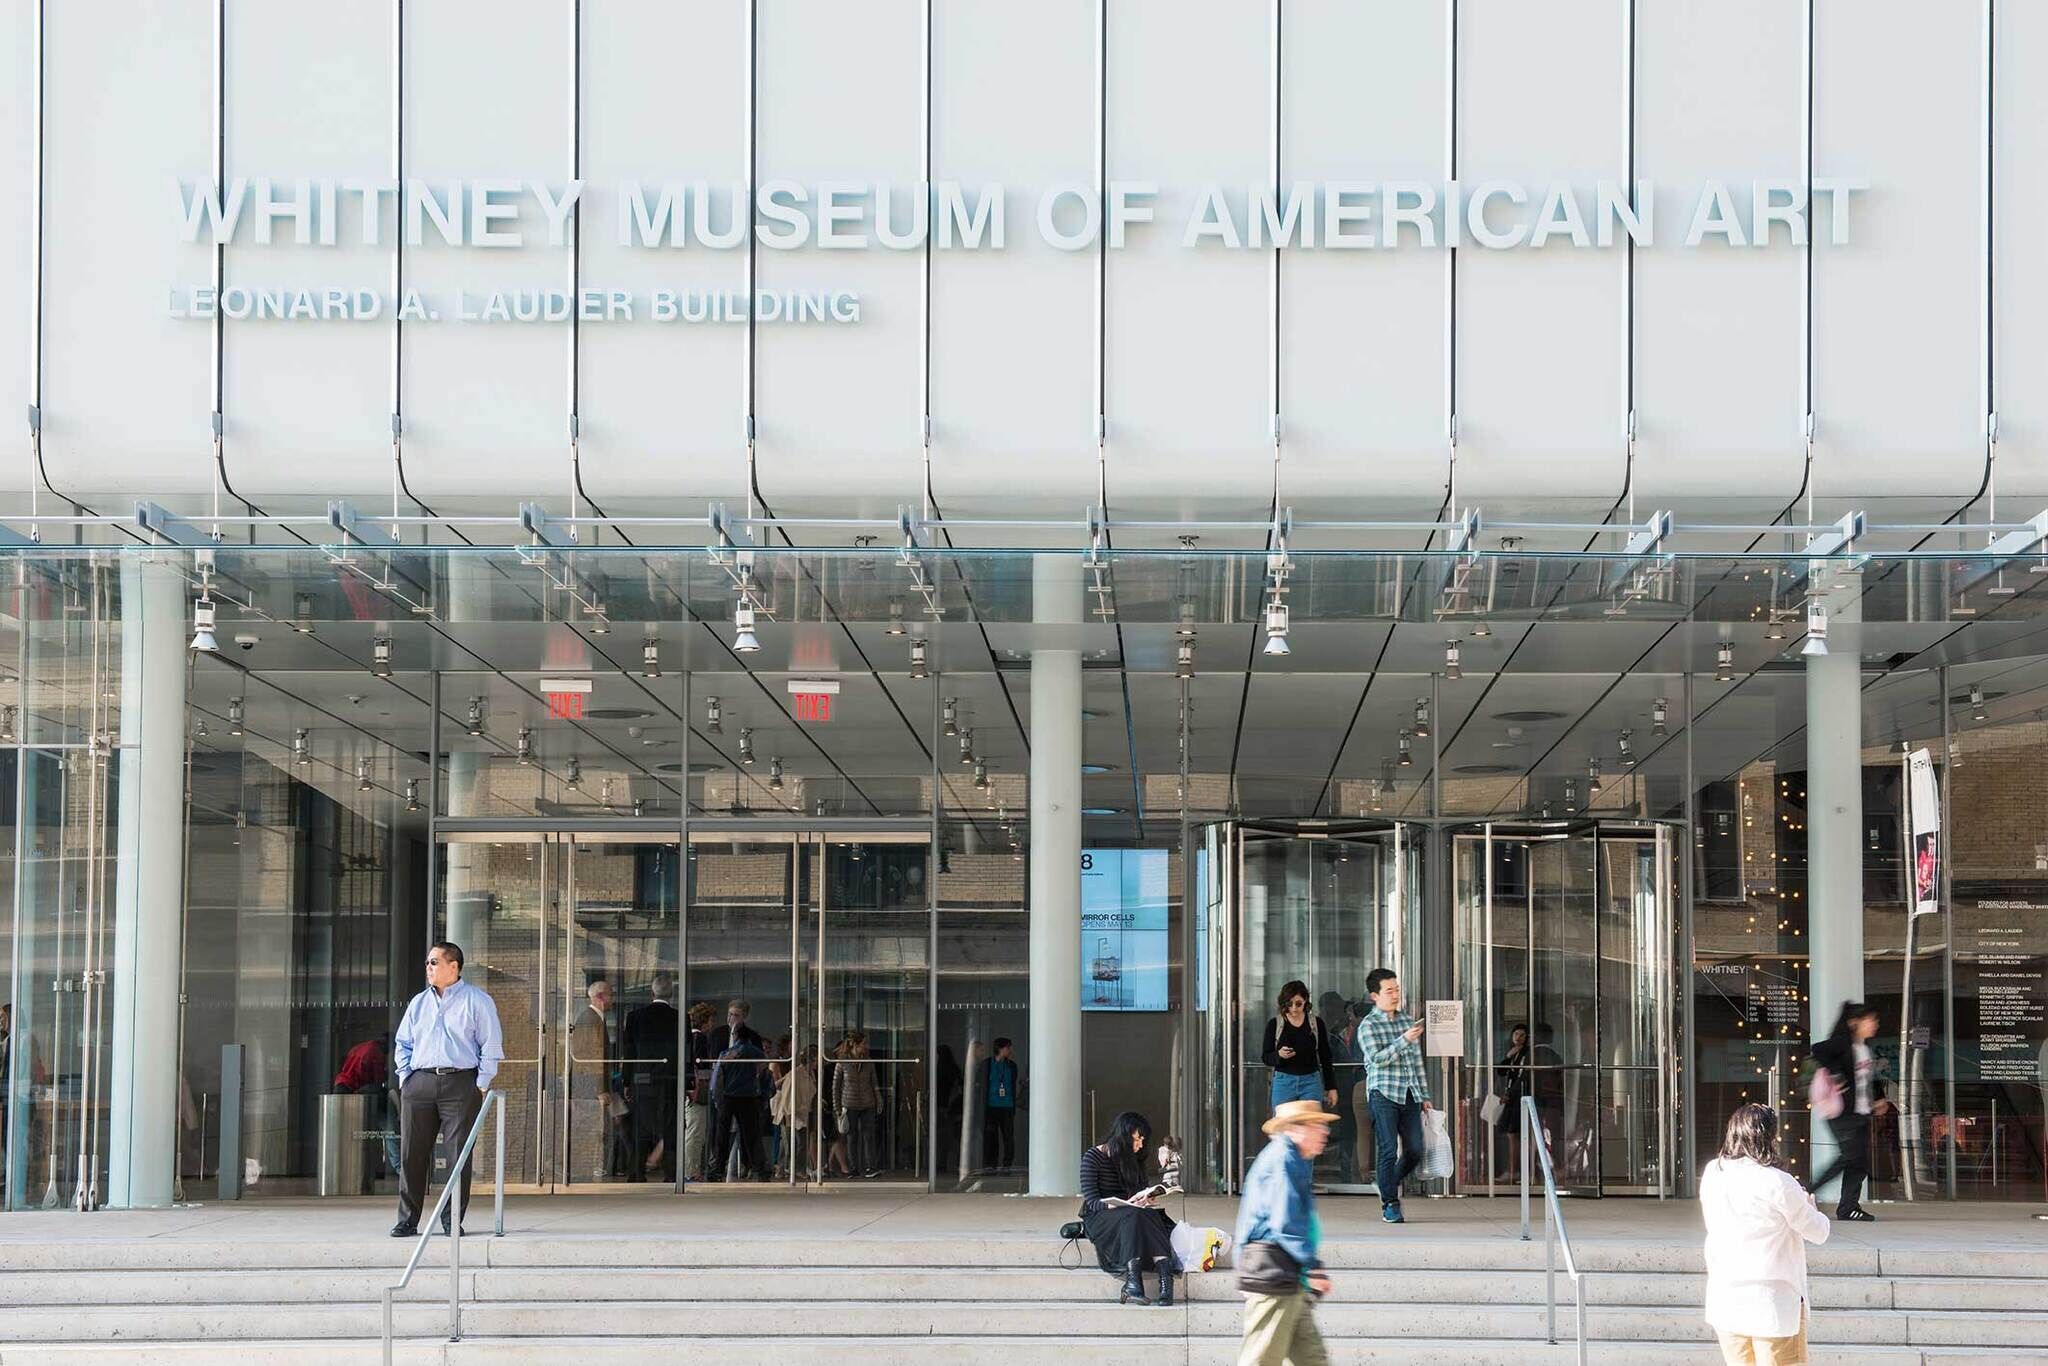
x: 1278, y: 1268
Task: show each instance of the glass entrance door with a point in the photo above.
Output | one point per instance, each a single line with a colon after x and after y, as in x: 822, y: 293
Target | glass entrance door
x: 1565, y: 953
x: 1323, y: 907
x: 576, y: 941
x: 809, y: 956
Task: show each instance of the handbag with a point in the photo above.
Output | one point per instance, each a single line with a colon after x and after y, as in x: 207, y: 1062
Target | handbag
x: 1492, y: 1108
x: 1266, y: 1269
x: 1822, y: 1095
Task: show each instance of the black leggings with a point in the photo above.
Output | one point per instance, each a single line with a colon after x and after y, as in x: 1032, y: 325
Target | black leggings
x: 1852, y: 1159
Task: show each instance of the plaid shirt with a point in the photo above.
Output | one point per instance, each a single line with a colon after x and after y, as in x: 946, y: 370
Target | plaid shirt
x: 1393, y: 1066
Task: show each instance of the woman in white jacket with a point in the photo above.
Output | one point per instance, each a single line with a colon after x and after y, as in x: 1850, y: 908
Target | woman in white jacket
x: 1759, y: 1221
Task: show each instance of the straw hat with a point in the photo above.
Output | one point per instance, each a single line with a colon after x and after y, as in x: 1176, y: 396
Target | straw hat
x: 1294, y: 1112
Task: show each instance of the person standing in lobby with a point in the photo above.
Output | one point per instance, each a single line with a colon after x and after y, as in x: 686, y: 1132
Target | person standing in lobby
x: 1297, y: 1050
x: 593, y: 1085
x: 652, y: 1045
x: 1390, y: 1046
x: 445, y: 1053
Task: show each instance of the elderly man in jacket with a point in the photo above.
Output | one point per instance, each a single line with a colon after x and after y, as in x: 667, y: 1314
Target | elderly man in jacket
x: 1279, y: 1270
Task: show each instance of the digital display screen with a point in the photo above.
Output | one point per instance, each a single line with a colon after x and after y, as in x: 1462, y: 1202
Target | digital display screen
x: 1123, y: 929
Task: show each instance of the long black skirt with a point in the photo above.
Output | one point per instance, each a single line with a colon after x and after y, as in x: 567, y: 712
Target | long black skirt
x: 1123, y: 1235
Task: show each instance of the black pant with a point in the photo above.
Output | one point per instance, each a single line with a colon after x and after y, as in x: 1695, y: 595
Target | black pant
x: 432, y: 1103
x: 741, y: 1117
x: 653, y: 1121
x: 1002, y: 1137
x: 1852, y: 1158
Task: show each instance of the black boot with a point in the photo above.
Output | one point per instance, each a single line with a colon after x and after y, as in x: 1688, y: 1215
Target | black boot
x: 1165, y: 1270
x: 1133, y: 1291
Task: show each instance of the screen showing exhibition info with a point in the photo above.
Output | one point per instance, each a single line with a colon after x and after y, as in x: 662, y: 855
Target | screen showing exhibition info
x: 1123, y: 929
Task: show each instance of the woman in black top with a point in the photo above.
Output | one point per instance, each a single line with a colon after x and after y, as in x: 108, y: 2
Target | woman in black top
x: 1846, y: 1055
x: 1126, y: 1237
x: 1298, y: 1051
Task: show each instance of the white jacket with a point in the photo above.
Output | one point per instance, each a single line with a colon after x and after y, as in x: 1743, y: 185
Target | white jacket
x: 1758, y: 1224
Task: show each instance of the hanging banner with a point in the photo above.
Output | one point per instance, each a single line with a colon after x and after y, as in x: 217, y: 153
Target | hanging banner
x: 1923, y: 819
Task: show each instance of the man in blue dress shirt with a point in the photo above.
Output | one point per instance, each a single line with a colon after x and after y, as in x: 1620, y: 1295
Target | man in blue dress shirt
x: 445, y: 1053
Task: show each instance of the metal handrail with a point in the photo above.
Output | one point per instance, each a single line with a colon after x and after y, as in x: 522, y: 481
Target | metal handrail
x: 1553, y: 1219
x: 448, y: 1189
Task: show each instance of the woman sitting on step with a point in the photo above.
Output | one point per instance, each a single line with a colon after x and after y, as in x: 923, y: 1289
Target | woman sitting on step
x: 1129, y: 1232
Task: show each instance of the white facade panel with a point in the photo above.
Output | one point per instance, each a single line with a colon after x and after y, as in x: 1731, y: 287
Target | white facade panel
x: 1013, y: 331
x: 662, y: 405
x: 127, y: 389
x: 2020, y: 254
x: 1897, y: 312
x: 1541, y: 331
x: 17, y: 231
x: 1364, y: 96
x: 1188, y: 349
x: 1719, y: 328
x: 839, y: 409
x: 307, y: 407
x: 487, y: 404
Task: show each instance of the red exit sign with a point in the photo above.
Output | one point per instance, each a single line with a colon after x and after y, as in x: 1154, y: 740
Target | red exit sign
x: 565, y: 706
x: 812, y: 698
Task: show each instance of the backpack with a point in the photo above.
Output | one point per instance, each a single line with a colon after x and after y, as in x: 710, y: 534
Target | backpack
x: 1823, y: 1096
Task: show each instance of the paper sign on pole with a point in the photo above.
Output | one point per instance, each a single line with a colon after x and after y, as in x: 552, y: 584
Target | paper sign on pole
x: 1923, y: 819
x: 1443, y: 1029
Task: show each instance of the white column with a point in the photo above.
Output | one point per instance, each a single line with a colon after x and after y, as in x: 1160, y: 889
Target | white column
x: 149, y: 888
x: 1055, y: 1056
x: 1834, y: 821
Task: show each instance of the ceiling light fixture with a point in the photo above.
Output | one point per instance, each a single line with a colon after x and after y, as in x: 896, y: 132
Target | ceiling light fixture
x: 235, y: 715
x: 302, y: 749
x: 1184, y: 659
x: 1407, y: 759
x: 412, y: 794
x: 1571, y: 796
x: 1659, y: 713
x: 744, y: 641
x: 747, y: 745
x: 951, y: 724
x: 380, y: 656
x: 302, y: 608
x: 1481, y: 630
x: 524, y: 752
x: 1453, y: 667
x: 895, y: 618
x: 919, y: 651
x: 714, y: 717
x: 1816, y: 629
x: 1628, y: 753
x: 1593, y: 776
x: 7, y: 715
x: 363, y: 774
x: 981, y: 774
x: 775, y: 773
x: 1276, y: 625
x: 650, y: 658
x: 1724, y: 663
x: 1977, y: 712
x: 1422, y: 718
x: 474, y: 723
x: 574, y: 780
x: 202, y: 626
x: 967, y: 745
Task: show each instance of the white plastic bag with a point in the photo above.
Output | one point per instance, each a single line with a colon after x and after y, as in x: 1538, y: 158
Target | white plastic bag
x: 1199, y: 1249
x: 1437, y: 1158
x: 1492, y: 1109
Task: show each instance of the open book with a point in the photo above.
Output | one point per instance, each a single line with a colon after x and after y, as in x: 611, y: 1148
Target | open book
x: 1152, y: 1193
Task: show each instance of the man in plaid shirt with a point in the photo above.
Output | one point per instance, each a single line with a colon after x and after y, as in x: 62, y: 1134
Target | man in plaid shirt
x: 1390, y: 1046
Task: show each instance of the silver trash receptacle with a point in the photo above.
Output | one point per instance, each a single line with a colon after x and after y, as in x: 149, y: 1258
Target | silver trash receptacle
x: 343, y: 1149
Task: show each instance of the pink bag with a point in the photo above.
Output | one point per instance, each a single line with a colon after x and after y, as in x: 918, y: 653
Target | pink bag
x: 1823, y: 1096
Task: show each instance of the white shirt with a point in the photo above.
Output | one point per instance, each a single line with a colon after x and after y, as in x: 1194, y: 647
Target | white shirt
x: 1756, y: 1219
x: 1864, y: 1070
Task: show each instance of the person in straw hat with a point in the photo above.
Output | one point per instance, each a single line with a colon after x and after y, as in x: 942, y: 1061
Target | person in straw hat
x: 1277, y: 1233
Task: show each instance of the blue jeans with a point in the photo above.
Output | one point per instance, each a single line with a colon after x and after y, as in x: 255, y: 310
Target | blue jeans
x: 1395, y: 1124
x: 1287, y: 1086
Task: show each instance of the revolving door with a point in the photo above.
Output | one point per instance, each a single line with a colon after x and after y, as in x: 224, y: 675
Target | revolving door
x: 1566, y: 962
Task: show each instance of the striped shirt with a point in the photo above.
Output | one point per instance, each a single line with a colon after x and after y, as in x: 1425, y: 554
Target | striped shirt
x: 1393, y: 1065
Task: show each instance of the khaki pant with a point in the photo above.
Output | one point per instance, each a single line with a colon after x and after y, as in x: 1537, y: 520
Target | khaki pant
x: 1739, y: 1350
x: 1281, y: 1328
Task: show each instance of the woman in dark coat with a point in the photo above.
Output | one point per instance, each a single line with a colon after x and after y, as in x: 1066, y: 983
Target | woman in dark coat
x: 1127, y: 1238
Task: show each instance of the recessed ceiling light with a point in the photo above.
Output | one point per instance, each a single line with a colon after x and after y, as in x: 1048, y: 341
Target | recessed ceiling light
x: 1486, y: 770
x: 1102, y: 811
x: 1098, y: 768
x: 1528, y: 716
x: 616, y: 714
x: 674, y: 766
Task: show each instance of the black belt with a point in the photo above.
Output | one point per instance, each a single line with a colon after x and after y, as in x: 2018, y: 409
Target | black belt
x: 449, y: 1071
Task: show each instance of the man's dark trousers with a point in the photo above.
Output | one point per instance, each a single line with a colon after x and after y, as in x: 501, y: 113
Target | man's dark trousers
x: 433, y: 1103
x: 1395, y: 1123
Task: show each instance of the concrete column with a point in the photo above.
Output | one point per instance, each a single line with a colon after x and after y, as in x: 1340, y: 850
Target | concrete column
x: 1055, y: 1056
x: 459, y: 917
x: 149, y: 888
x: 1834, y: 821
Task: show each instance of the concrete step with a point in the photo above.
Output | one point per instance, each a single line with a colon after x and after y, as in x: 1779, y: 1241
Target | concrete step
x: 1070, y: 1320
x: 575, y: 1284
x: 484, y: 1350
